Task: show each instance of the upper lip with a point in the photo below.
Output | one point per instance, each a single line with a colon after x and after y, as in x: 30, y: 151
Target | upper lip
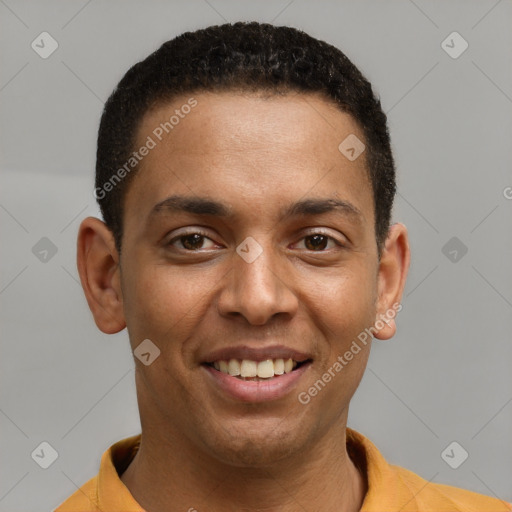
x: 258, y: 354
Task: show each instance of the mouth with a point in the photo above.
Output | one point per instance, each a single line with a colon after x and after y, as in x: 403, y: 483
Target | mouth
x: 248, y: 374
x: 251, y: 370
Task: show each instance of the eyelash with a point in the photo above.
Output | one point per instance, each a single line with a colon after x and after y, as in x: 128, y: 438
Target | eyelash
x: 203, y: 234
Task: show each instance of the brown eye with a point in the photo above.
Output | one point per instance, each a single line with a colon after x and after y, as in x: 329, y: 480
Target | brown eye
x: 192, y: 242
x: 319, y: 242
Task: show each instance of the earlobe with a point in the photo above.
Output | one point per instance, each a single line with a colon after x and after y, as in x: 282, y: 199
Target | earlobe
x: 393, y: 269
x: 98, y: 267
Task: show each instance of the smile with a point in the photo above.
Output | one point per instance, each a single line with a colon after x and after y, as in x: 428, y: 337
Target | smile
x: 248, y: 374
x: 247, y: 369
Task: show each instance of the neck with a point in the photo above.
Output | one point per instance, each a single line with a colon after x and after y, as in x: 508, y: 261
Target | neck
x: 170, y: 475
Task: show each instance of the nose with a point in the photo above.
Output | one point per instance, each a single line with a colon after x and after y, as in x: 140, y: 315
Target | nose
x: 258, y: 290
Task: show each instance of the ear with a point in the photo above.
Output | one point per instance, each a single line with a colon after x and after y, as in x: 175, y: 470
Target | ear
x: 393, y: 268
x: 98, y: 266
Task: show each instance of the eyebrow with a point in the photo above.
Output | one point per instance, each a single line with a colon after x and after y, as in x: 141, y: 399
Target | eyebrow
x: 204, y: 206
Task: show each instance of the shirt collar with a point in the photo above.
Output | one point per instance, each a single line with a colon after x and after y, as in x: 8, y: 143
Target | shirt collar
x: 112, y: 493
x: 386, y: 490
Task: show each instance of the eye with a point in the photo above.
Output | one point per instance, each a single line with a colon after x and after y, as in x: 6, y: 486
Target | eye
x: 319, y: 242
x: 192, y: 241
x: 197, y: 240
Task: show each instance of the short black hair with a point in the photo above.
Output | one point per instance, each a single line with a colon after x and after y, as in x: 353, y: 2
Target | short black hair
x: 244, y: 56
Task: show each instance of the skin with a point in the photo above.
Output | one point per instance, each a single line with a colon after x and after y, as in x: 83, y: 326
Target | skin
x: 257, y: 155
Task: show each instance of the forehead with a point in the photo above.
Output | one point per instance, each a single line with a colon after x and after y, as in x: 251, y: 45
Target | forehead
x: 245, y: 146
x: 306, y: 123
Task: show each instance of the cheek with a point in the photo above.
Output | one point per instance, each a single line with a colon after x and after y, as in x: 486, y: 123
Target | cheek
x: 341, y: 315
x: 353, y: 312
x: 165, y: 305
x: 347, y: 301
x: 162, y: 303
x: 343, y: 311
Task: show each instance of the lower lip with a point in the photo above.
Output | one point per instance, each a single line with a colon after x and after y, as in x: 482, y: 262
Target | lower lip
x: 257, y: 391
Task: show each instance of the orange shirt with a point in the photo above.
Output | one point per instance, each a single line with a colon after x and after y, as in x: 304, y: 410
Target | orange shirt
x: 390, y: 488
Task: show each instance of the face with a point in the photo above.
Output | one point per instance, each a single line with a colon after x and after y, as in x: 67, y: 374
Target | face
x: 249, y: 241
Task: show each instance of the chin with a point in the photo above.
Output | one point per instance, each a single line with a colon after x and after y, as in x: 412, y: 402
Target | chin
x: 258, y: 445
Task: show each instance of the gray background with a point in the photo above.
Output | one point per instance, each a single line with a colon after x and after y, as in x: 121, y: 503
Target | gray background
x: 445, y: 376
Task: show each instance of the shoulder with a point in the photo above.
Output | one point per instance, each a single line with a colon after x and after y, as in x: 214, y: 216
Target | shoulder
x: 106, y: 492
x: 84, y: 499
x: 393, y: 488
x: 430, y: 496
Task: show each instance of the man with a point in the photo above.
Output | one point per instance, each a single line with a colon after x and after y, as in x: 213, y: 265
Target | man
x: 246, y: 181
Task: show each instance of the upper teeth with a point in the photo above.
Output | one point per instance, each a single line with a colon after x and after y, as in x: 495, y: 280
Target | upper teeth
x: 262, y: 369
